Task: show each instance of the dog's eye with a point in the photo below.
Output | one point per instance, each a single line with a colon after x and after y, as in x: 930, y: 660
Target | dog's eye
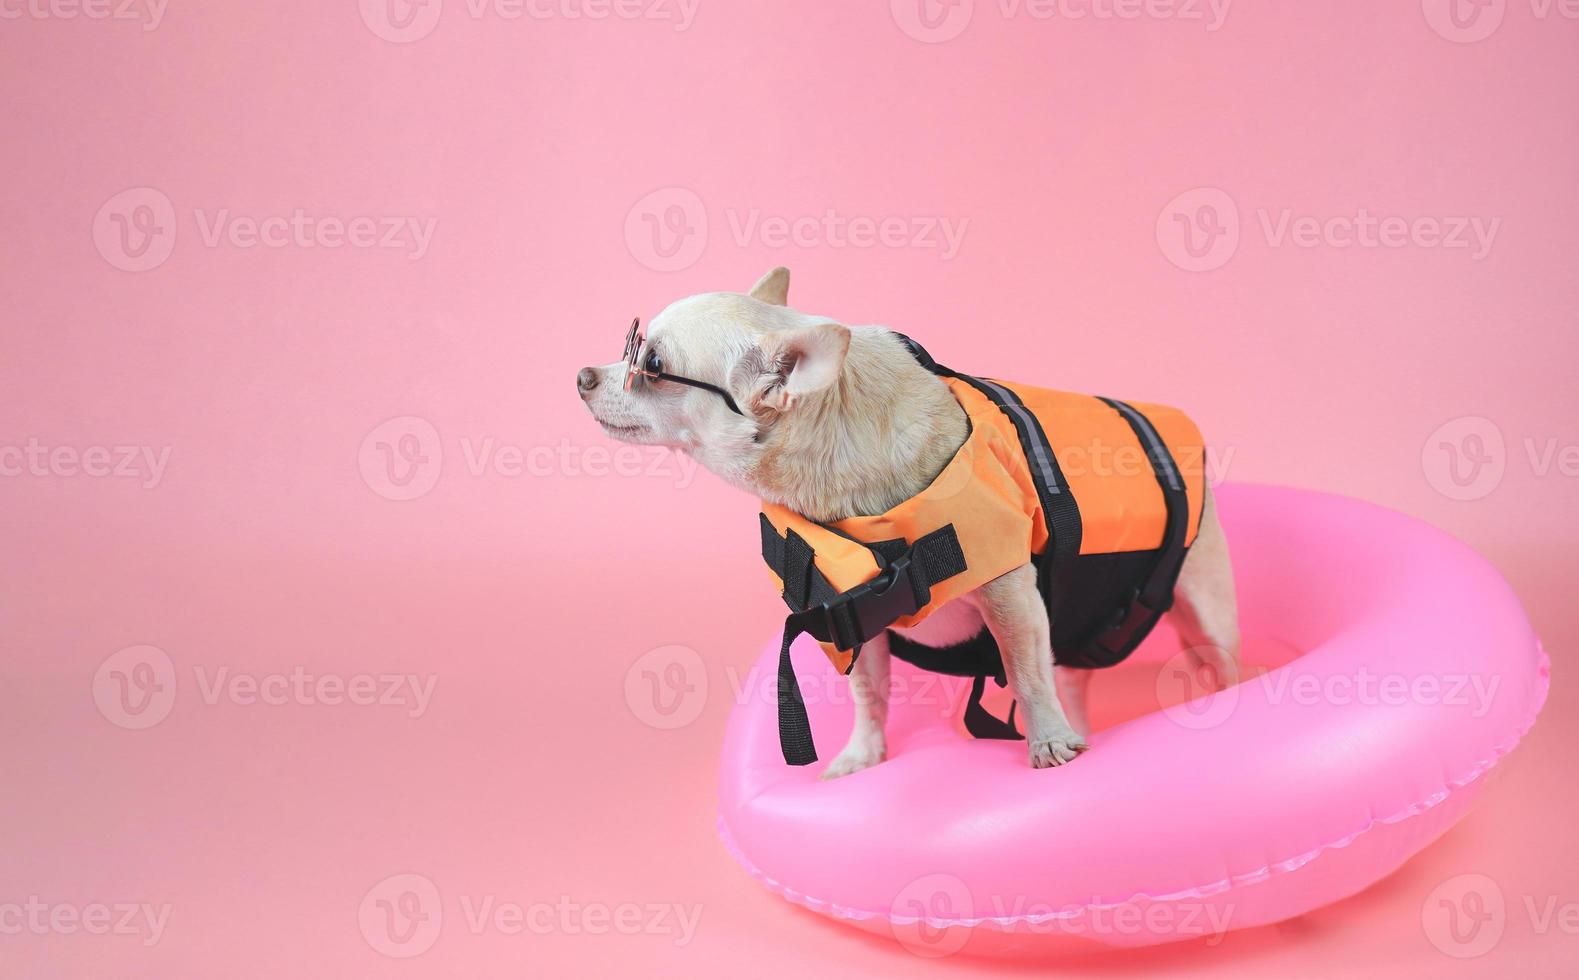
x: 653, y: 364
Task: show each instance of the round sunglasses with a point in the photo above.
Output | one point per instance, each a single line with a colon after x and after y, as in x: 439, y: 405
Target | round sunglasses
x: 651, y: 367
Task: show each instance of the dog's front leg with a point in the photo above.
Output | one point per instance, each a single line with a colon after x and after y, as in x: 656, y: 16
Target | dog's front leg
x: 1014, y: 613
x: 869, y: 690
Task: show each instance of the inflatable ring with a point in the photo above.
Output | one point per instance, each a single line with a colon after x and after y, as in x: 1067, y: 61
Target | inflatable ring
x: 1388, y: 668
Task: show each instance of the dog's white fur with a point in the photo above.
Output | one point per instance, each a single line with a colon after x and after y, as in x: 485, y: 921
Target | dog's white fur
x: 842, y: 421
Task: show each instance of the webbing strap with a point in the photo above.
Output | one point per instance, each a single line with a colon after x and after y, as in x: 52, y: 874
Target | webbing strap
x: 847, y: 619
x: 1059, y: 508
x: 1157, y: 591
x: 794, y: 727
x: 796, y: 570
x: 981, y: 723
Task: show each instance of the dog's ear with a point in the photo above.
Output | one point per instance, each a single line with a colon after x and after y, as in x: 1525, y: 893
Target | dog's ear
x: 798, y: 362
x: 772, y: 288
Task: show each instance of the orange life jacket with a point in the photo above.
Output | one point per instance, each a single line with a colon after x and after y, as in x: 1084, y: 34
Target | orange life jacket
x: 1103, y: 496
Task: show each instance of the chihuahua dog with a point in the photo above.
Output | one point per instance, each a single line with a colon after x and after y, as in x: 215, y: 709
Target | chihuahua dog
x: 834, y: 421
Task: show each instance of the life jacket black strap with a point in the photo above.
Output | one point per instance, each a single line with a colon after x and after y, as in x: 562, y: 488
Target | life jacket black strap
x: 1155, y: 595
x: 1059, y: 508
x: 846, y: 619
x: 794, y: 727
x: 980, y: 722
x: 796, y: 570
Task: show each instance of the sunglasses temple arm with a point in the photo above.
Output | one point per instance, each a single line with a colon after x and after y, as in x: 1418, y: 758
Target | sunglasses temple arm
x: 728, y: 400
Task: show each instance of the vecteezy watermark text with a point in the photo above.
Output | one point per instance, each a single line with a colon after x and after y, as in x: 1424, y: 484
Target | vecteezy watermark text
x: 149, y: 12
x: 1200, y: 230
x: 38, y: 917
x: 136, y: 688
x: 145, y: 464
x: 1468, y: 21
x: 935, y: 915
x: 936, y: 21
x: 136, y: 230
x: 403, y: 915
x: 1192, y: 697
x: 668, y: 230
x: 405, y: 21
x: 302, y: 230
x: 830, y: 229
x: 1466, y: 458
x: 565, y: 915
x: 402, y: 459
x: 1466, y: 916
x: 410, y: 692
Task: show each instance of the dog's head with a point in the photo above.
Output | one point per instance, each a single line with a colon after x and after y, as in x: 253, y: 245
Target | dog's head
x: 772, y: 362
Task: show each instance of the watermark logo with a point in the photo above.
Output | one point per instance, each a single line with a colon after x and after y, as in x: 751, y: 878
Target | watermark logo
x: 667, y: 687
x: 928, y: 916
x: 1188, y: 689
x: 932, y: 21
x: 401, y: 459
x: 935, y: 915
x: 485, y: 456
x: 135, y: 230
x: 567, y: 916
x: 1198, y: 231
x: 412, y: 692
x: 145, y: 464
x: 401, y: 21
x: 299, y: 229
x: 938, y: 694
x: 405, y: 21
x: 1137, y: 917
x: 1464, y: 458
x: 1464, y: 21
x: 135, y: 687
x: 402, y: 916
x: 666, y: 231
x: 38, y: 917
x: 149, y: 12
x: 926, y: 233
x: 935, y: 21
x: 1362, y: 229
x: 1465, y: 916
x: 1187, y: 692
x: 1100, y: 456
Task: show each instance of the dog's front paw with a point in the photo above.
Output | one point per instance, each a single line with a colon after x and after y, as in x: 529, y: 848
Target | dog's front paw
x: 1062, y: 747
x: 855, y: 757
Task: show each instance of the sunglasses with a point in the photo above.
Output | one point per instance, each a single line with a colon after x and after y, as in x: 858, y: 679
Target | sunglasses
x: 650, y: 367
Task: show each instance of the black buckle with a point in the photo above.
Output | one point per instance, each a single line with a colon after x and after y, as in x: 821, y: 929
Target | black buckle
x: 863, y: 612
x: 1122, y: 613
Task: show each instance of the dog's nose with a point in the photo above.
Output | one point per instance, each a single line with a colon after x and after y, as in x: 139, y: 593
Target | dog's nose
x: 586, y: 380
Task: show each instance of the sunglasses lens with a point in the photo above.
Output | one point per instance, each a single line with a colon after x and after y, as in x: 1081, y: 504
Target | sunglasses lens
x: 633, y: 342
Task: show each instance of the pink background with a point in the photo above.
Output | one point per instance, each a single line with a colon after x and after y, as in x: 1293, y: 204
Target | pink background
x: 545, y: 150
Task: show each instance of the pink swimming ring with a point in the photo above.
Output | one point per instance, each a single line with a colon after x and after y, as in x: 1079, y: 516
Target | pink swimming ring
x: 1388, y: 669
